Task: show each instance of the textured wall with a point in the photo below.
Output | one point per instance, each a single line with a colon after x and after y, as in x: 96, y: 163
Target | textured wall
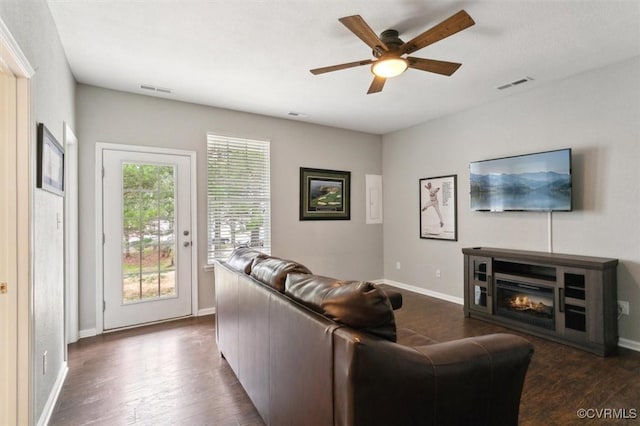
x: 597, y: 114
x: 53, y: 97
x: 346, y: 249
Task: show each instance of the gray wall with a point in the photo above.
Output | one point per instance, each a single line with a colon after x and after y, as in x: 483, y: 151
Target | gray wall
x: 52, y: 94
x: 597, y: 114
x: 345, y: 249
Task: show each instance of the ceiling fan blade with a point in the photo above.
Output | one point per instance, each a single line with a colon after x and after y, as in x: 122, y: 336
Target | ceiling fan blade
x: 444, y: 29
x: 363, y: 31
x: 376, y: 85
x: 322, y: 70
x: 431, y: 65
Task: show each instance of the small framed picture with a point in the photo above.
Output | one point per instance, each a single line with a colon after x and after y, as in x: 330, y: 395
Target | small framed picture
x: 325, y: 194
x: 438, y: 208
x: 50, y: 173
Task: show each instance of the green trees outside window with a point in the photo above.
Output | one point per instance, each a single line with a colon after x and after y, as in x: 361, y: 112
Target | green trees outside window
x: 148, y: 231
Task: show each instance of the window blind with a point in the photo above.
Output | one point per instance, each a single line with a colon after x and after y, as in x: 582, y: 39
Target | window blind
x: 238, y: 195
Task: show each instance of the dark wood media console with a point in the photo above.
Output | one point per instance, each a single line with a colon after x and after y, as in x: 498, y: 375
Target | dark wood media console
x: 565, y: 298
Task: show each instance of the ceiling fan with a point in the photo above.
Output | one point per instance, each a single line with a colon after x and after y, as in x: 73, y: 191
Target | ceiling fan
x: 389, y: 50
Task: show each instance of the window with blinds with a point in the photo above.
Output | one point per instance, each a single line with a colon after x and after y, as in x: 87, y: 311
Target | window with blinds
x: 238, y: 195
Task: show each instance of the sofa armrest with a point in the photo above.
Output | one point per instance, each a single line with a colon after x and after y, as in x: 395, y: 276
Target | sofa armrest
x: 476, y: 380
x: 395, y: 297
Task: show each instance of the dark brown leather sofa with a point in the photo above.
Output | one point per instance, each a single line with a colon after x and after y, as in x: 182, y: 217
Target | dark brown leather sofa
x: 313, y: 350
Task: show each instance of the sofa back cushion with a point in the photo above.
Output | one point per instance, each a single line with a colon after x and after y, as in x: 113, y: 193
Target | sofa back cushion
x: 242, y: 258
x: 357, y: 304
x: 273, y: 271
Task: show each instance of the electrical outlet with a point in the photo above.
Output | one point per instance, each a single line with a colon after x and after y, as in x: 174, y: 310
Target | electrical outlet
x: 44, y: 363
x: 398, y: 265
x: 623, y: 307
x: 438, y: 273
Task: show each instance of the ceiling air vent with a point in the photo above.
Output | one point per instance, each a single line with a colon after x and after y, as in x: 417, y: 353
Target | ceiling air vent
x: 514, y: 83
x: 155, y: 89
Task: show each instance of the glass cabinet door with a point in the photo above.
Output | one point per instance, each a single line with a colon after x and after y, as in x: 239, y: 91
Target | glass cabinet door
x: 479, y: 268
x: 480, y: 285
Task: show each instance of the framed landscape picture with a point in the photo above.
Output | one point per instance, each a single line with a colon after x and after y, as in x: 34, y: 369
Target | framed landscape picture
x: 325, y: 194
x: 50, y: 173
x: 438, y: 208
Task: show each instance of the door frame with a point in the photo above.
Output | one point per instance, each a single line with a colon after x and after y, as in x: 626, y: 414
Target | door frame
x: 70, y: 235
x: 100, y: 148
x: 20, y: 315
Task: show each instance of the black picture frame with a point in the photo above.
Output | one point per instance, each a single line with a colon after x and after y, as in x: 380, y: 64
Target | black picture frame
x: 439, y: 208
x: 50, y: 167
x: 325, y: 194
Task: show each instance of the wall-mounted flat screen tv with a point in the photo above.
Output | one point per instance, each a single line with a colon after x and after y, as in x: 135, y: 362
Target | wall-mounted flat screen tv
x: 532, y: 182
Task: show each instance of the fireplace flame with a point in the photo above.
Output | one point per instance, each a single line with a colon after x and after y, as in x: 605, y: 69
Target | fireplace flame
x: 522, y: 303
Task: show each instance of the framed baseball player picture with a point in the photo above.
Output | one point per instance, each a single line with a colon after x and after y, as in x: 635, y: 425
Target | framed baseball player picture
x: 438, y: 208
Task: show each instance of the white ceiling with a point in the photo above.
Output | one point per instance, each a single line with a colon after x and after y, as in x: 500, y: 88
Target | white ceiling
x: 255, y: 55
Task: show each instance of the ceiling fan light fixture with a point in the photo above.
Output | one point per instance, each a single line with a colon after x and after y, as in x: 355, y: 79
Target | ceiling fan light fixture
x: 389, y: 67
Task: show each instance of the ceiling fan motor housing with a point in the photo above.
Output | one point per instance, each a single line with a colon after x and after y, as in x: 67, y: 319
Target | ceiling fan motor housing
x: 391, y: 39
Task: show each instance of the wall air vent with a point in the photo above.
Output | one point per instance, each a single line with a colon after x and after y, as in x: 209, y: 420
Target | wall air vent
x: 155, y: 89
x: 514, y: 83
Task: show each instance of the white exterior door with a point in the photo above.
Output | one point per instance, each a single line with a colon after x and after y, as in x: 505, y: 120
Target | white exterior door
x: 147, y: 250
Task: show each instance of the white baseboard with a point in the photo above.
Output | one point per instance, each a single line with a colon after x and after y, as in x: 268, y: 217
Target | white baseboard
x: 423, y: 291
x: 53, y: 396
x: 629, y: 344
x: 623, y: 343
x: 206, y: 311
x: 90, y: 332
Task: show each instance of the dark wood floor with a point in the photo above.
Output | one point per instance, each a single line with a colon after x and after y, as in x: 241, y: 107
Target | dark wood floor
x: 560, y: 381
x: 164, y: 374
x: 172, y: 374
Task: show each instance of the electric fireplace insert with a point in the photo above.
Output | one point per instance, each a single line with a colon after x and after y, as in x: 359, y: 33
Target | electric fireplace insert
x: 529, y: 303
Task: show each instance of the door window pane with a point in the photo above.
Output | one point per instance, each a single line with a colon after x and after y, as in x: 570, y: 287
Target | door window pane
x: 148, y: 231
